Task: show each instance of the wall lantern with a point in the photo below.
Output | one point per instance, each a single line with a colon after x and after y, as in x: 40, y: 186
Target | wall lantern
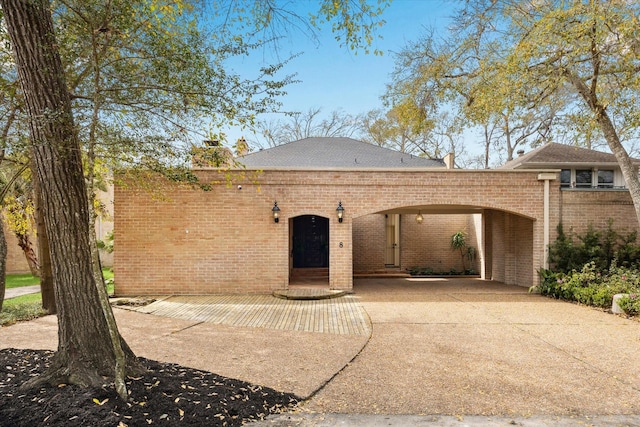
x: 340, y: 211
x: 276, y: 212
x: 419, y: 218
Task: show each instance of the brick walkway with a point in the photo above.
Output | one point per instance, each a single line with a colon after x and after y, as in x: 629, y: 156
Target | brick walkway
x: 341, y: 316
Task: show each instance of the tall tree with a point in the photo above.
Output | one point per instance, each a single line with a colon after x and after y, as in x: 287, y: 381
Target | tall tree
x: 408, y: 130
x: 588, y: 49
x: 457, y: 77
x: 87, y: 347
x: 404, y: 128
x: 3, y: 263
x: 309, y: 124
x: 15, y: 145
x: 509, y: 57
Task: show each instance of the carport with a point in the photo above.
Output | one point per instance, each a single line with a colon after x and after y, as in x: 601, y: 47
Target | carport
x: 227, y: 239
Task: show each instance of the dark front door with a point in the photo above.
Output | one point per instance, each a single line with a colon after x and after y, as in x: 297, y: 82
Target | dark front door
x: 310, y: 242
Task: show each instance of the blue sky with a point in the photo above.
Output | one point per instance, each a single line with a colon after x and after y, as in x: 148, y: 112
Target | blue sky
x: 334, y: 78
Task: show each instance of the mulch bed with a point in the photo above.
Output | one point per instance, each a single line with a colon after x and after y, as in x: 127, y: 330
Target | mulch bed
x: 167, y: 395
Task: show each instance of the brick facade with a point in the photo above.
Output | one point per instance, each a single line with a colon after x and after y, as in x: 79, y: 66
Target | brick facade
x: 580, y: 208
x: 421, y: 245
x: 16, y: 261
x: 225, y: 240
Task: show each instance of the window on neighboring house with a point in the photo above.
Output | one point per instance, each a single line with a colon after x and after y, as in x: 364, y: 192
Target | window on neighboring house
x: 583, y: 178
x: 605, y: 179
x: 565, y: 178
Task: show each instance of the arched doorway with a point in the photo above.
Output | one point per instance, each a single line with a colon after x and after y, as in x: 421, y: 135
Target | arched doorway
x: 310, y: 242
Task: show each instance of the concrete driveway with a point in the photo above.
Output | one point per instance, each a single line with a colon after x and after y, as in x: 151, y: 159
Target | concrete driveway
x: 433, y: 347
x: 470, y: 347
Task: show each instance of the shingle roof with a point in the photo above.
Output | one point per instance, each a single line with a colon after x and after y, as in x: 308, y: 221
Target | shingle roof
x: 554, y: 154
x: 333, y: 153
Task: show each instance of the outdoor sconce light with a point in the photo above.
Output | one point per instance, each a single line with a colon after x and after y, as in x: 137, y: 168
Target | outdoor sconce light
x: 419, y: 218
x: 340, y: 211
x: 276, y: 212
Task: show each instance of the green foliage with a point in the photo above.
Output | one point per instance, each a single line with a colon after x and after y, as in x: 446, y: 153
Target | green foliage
x: 571, y: 252
x: 428, y: 271
x: 630, y: 304
x: 459, y: 243
x: 23, y: 308
x: 107, y: 243
x: 421, y: 271
x: 353, y: 22
x: 589, y: 285
x: 592, y: 268
x: 109, y: 280
x: 531, y: 72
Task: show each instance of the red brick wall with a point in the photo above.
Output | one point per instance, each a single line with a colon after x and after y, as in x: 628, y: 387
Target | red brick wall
x: 225, y: 240
x: 429, y: 244
x: 369, y: 243
x: 16, y: 261
x: 579, y: 209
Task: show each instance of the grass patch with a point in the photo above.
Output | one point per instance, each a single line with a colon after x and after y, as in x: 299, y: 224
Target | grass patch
x: 25, y: 307
x: 29, y: 307
x: 20, y: 280
x: 107, y: 273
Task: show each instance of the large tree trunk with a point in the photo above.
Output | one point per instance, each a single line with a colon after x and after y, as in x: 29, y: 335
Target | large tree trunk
x: 85, y: 348
x: 46, y: 273
x: 3, y: 261
x: 629, y: 171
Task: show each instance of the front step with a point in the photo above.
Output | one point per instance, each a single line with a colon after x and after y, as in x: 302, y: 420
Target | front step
x: 309, y: 273
x: 387, y: 272
x: 308, y: 294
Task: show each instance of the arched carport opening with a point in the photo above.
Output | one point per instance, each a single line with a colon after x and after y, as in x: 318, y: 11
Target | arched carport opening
x: 309, y: 250
x: 503, y: 242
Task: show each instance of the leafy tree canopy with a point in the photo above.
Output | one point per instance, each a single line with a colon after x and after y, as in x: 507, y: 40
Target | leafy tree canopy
x: 519, y: 61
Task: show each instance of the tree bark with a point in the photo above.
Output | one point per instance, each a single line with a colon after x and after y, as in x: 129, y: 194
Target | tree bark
x: 3, y: 261
x: 46, y: 273
x: 629, y: 171
x: 85, y: 352
x: 25, y: 243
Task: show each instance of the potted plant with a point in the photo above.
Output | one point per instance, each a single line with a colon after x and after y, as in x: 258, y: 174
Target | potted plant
x: 459, y: 243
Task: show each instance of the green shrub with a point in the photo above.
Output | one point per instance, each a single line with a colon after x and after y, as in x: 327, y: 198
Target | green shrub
x: 630, y: 304
x: 601, y: 247
x: 589, y: 286
x: 13, y: 312
x: 421, y: 271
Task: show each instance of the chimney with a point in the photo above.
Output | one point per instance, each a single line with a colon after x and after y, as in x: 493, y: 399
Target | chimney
x: 520, y: 153
x: 242, y: 148
x: 213, y: 154
x: 449, y: 160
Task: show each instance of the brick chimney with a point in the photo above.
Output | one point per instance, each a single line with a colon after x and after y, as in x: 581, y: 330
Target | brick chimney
x: 450, y: 160
x: 213, y: 154
x: 242, y: 148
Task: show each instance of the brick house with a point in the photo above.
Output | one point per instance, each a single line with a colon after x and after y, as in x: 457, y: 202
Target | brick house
x: 346, y: 208
x: 591, y: 182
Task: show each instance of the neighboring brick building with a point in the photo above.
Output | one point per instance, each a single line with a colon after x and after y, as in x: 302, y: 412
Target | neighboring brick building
x: 226, y: 240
